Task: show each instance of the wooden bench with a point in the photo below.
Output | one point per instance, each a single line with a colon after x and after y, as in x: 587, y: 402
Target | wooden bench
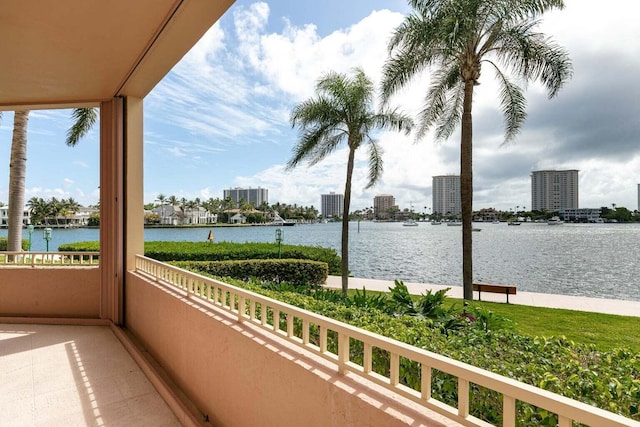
x: 494, y: 288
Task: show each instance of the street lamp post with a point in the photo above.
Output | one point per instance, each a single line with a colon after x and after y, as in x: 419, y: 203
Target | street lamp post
x: 279, y: 239
x: 46, y: 235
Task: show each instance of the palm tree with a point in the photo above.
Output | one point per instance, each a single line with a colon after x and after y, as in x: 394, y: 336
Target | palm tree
x: 342, y: 112
x: 456, y: 37
x: 17, y: 174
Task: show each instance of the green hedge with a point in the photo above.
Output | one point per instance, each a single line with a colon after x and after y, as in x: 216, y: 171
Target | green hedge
x: 223, y: 251
x: 609, y: 380
x: 4, y: 243
x: 295, y: 271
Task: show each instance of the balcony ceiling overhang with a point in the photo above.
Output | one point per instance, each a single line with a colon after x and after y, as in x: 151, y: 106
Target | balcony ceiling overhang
x: 72, y: 53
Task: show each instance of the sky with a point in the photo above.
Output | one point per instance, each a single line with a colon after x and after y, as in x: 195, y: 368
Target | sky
x: 220, y: 118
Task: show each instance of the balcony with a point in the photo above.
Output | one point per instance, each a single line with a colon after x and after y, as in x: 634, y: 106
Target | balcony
x: 213, y: 354
x: 208, y: 349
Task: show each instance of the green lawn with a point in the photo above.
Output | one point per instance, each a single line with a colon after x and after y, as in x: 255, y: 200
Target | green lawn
x: 606, y: 331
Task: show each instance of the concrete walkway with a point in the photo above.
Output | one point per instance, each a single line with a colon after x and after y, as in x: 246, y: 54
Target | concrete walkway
x: 595, y: 305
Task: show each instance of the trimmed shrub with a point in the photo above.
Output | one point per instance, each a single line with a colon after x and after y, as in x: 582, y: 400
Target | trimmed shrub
x: 224, y: 251
x: 80, y: 247
x: 4, y: 243
x: 294, y: 271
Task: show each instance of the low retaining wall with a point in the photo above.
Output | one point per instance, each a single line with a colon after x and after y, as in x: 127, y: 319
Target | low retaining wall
x: 50, y: 292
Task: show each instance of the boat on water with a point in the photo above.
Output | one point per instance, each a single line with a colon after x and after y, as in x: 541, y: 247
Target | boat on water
x: 513, y: 223
x: 436, y: 222
x: 495, y: 222
x: 555, y: 221
x: 410, y: 223
x: 454, y: 224
x: 476, y: 229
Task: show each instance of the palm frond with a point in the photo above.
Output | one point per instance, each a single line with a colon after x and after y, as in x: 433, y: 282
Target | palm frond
x: 446, y: 83
x: 375, y: 163
x: 84, y: 119
x: 512, y: 103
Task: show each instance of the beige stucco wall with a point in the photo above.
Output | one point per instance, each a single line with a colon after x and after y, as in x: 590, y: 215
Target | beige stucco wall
x: 50, y: 292
x: 241, y: 376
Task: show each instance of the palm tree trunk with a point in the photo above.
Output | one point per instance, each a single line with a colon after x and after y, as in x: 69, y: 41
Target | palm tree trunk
x: 17, y: 173
x: 345, y: 221
x: 466, y: 191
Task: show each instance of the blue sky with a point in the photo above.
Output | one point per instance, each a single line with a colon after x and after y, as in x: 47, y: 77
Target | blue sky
x: 220, y: 118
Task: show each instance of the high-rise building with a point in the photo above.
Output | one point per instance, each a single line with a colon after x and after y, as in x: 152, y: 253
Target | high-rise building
x: 257, y: 196
x: 446, y: 195
x: 331, y: 205
x: 382, y: 205
x: 553, y: 190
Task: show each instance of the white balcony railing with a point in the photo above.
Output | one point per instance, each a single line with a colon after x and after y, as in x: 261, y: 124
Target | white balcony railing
x: 50, y: 259
x: 261, y: 311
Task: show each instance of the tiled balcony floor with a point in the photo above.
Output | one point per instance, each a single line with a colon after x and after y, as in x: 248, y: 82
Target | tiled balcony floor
x: 73, y: 376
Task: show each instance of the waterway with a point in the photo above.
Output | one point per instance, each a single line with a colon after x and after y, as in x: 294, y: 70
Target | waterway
x: 595, y: 260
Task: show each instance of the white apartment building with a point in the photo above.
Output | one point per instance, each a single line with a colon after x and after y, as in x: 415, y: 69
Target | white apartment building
x: 4, y: 216
x: 553, y: 190
x: 382, y: 205
x: 582, y: 214
x: 446, y: 195
x: 331, y: 205
x: 257, y: 196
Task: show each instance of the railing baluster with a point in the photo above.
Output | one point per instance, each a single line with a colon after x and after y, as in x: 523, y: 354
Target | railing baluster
x: 252, y: 309
x: 367, y: 359
x: 305, y: 331
x: 394, y: 369
x: 276, y: 319
x: 323, y: 339
x: 263, y: 314
x: 343, y: 352
x: 241, y: 308
x: 425, y: 382
x: 289, y: 324
x: 463, y: 397
x: 508, y: 411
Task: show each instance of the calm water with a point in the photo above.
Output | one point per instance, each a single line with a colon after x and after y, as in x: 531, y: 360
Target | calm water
x: 600, y: 260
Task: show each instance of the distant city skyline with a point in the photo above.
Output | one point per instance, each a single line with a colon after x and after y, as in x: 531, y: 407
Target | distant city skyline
x: 220, y: 118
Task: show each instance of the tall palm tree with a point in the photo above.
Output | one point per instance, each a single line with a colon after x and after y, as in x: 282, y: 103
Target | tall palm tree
x: 457, y: 37
x: 340, y: 112
x: 17, y: 174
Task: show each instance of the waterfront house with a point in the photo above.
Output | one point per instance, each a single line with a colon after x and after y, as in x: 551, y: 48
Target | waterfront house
x: 214, y: 359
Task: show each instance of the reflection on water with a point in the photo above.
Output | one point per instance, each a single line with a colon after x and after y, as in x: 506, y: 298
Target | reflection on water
x: 599, y: 260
